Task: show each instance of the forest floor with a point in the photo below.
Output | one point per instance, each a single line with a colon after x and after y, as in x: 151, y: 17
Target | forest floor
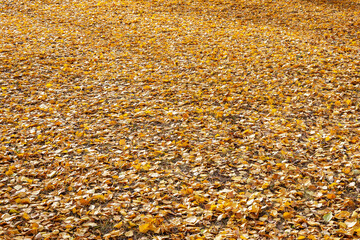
x: 184, y: 119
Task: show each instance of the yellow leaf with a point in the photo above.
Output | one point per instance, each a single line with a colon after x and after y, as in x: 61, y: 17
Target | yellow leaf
x: 13, y: 211
x: 118, y: 225
x: 346, y: 170
x: 144, y: 228
x: 9, y: 172
x: 26, y: 216
x: 122, y: 142
x: 301, y: 237
x: 219, y: 114
x: 48, y: 85
x: 146, y: 167
x: 99, y: 197
x: 131, y: 224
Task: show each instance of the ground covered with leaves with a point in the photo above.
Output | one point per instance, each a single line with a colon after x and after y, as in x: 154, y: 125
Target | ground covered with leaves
x: 184, y: 119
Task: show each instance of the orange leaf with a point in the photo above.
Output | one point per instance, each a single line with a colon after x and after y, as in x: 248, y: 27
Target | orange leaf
x: 84, y: 201
x: 287, y: 215
x: 331, y: 196
x: 22, y: 200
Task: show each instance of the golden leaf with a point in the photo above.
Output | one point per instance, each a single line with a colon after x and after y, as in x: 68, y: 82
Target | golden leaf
x: 9, y: 172
x: 144, y: 228
x: 331, y: 196
x: 26, y: 216
x: 119, y: 225
x: 122, y: 142
x: 84, y: 201
x: 13, y: 211
x: 287, y: 215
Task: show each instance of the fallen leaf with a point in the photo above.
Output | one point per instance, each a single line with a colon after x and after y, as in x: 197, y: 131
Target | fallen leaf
x: 287, y: 215
x: 129, y: 233
x: 26, y: 216
x: 118, y: 225
x: 144, y: 228
x: 327, y: 217
x: 191, y: 219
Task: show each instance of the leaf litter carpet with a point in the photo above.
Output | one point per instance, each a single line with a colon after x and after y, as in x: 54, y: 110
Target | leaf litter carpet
x: 184, y: 119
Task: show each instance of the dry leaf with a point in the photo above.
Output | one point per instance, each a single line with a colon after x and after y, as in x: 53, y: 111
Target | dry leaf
x: 122, y: 142
x: 26, y: 216
x: 327, y: 217
x: 129, y: 233
x: 287, y: 215
x: 191, y: 220
x: 118, y: 225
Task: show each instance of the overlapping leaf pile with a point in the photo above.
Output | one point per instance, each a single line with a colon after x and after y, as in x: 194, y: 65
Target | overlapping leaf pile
x: 185, y: 119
